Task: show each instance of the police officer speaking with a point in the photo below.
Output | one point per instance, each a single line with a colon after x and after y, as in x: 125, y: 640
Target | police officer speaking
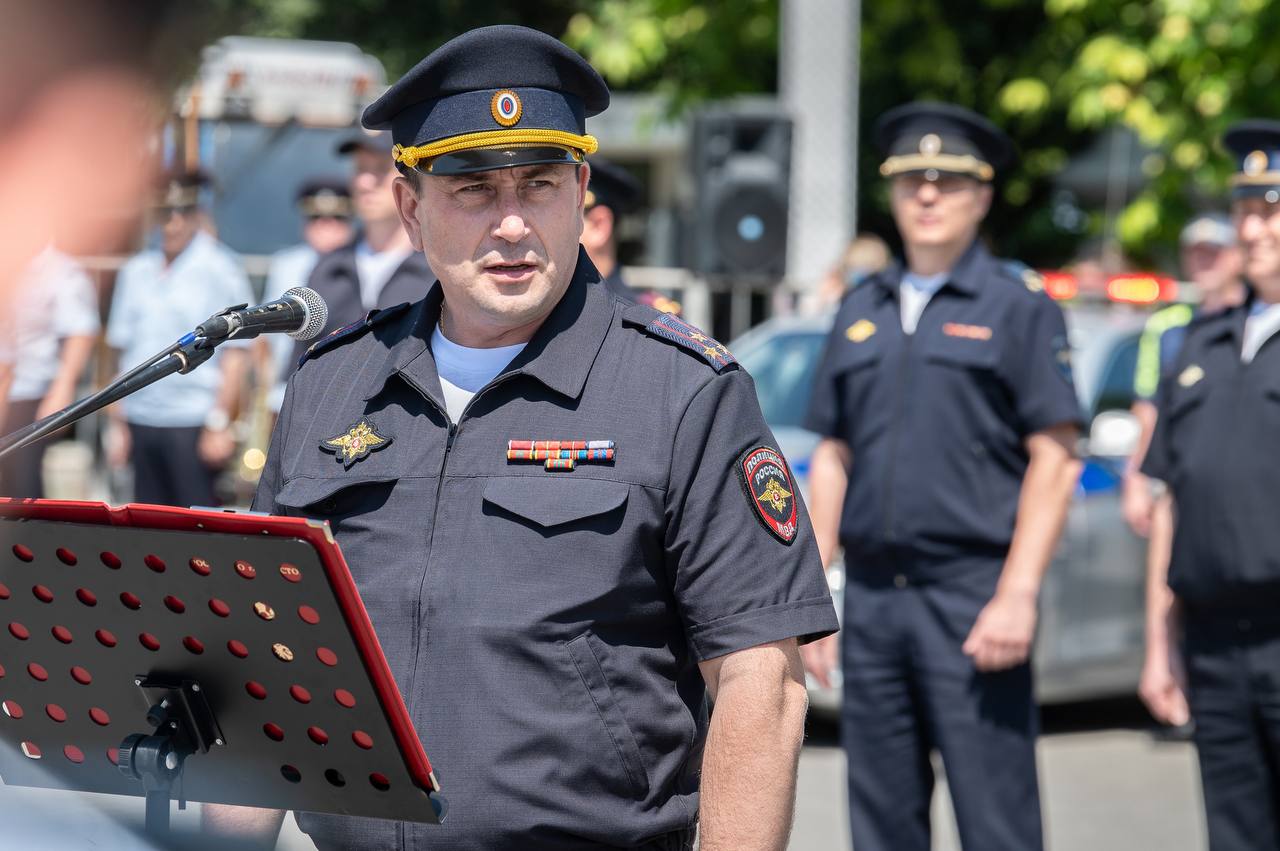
x: 1213, y: 606
x: 565, y: 513
x: 949, y: 419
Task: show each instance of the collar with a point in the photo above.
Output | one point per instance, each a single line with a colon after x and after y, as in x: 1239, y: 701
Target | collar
x: 973, y: 267
x: 559, y: 355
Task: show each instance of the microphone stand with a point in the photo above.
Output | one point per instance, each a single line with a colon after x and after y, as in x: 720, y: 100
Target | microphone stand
x: 181, y: 357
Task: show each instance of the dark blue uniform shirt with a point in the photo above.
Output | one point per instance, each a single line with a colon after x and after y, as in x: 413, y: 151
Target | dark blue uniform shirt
x: 1217, y: 446
x: 937, y: 420
x: 545, y: 626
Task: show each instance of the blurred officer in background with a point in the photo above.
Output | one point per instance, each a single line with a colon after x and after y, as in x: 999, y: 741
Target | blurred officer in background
x: 325, y: 207
x: 1213, y: 595
x: 612, y: 194
x: 949, y: 419
x: 1211, y: 261
x: 49, y: 335
x: 176, y: 432
x: 379, y: 268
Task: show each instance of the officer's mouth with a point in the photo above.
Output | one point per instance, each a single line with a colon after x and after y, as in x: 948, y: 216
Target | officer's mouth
x: 511, y: 272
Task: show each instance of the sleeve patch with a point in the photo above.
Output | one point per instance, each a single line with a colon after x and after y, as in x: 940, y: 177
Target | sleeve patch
x: 767, y: 484
x: 673, y: 328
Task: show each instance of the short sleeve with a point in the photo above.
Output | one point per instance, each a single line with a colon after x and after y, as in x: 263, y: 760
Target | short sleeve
x: 1158, y: 462
x: 739, y: 581
x: 825, y: 414
x: 1043, y: 386
x: 121, y: 316
x: 75, y: 304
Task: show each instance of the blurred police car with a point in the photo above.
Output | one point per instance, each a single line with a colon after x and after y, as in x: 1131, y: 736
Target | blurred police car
x: 1089, y: 643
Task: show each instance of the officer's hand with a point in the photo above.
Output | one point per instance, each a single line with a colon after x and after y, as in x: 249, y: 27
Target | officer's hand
x: 1162, y: 687
x: 119, y: 442
x: 1001, y: 637
x: 216, y: 446
x: 1137, y: 504
x: 820, y: 658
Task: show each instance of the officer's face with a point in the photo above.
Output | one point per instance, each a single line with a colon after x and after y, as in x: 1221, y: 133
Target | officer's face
x: 178, y: 226
x: 371, y: 185
x: 945, y: 210
x: 1258, y: 228
x: 1211, y: 267
x: 503, y: 243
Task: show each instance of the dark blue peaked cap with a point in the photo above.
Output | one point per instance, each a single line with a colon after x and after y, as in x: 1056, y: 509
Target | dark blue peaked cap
x: 940, y: 137
x: 494, y: 97
x: 1256, y: 147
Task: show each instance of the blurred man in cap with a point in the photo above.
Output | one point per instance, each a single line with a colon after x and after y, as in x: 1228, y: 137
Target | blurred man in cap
x: 1211, y: 261
x: 379, y: 268
x: 576, y: 523
x: 177, y: 432
x: 949, y: 418
x: 1213, y: 601
x: 612, y: 194
x: 324, y: 203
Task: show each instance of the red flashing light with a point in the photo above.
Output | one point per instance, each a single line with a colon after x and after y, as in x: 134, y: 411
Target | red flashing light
x: 1061, y: 286
x: 1141, y: 288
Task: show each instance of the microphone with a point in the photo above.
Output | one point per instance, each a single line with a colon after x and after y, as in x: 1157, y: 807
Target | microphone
x: 301, y: 313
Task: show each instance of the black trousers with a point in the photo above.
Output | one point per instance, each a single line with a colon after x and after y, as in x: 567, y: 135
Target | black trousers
x: 1233, y: 673
x: 21, y: 473
x: 167, y: 469
x: 910, y: 690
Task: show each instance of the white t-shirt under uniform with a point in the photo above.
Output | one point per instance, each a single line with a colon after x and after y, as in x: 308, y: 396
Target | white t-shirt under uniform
x: 914, y: 293
x: 464, y: 371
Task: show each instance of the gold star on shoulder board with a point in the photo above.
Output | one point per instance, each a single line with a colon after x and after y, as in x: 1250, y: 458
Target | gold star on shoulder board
x: 355, y: 443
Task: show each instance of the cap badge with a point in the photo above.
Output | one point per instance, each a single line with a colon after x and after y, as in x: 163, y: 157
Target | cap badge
x: 560, y: 454
x: 1255, y: 163
x: 355, y: 443
x: 506, y: 108
x: 1191, y: 375
x: 861, y: 331
x: 767, y: 482
x: 930, y: 144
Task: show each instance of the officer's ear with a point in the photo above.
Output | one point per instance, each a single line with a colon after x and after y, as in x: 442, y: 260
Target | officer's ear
x: 408, y: 201
x: 984, y: 199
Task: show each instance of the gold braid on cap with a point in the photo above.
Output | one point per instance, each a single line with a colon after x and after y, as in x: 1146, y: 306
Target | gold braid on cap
x: 1263, y: 178
x: 955, y: 163
x: 526, y: 138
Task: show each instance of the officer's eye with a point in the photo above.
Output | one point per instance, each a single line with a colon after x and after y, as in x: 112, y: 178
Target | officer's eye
x: 473, y: 188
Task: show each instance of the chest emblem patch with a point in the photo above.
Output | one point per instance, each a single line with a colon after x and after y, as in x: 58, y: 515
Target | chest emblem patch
x: 560, y: 454
x: 770, y: 490
x: 968, y: 332
x: 355, y: 443
x: 860, y: 331
x: 1190, y: 376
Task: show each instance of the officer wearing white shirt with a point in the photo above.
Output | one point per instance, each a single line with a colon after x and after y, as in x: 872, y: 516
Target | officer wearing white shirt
x: 176, y: 432
x: 49, y: 335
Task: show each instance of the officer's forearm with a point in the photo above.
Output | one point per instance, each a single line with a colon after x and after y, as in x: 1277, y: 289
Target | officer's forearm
x: 753, y: 748
x: 1047, y: 488
x: 828, y: 480
x: 1161, y: 608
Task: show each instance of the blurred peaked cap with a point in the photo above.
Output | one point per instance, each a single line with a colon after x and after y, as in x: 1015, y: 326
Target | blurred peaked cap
x: 1255, y: 144
x: 612, y: 186
x: 379, y: 143
x: 493, y: 97
x: 941, y: 137
x: 178, y: 188
x: 324, y: 196
x: 1208, y: 229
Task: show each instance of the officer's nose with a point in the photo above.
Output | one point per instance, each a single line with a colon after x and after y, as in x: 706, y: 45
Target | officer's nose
x: 511, y: 228
x: 927, y: 193
x: 1251, y: 227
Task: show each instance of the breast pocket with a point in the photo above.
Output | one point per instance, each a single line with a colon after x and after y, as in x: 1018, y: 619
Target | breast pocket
x: 963, y: 353
x: 335, y: 499
x: 555, y: 504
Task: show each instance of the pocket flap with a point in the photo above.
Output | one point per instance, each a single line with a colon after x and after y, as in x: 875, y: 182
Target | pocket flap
x: 980, y: 354
x: 555, y: 499
x: 300, y: 493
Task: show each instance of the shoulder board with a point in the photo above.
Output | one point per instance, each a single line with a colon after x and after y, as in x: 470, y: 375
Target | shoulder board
x: 1024, y: 274
x: 673, y: 329
x: 351, y: 331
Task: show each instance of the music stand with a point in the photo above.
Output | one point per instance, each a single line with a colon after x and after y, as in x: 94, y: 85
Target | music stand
x: 227, y: 658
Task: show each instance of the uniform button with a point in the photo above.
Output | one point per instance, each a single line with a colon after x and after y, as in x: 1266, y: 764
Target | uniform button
x: 900, y: 581
x: 977, y: 448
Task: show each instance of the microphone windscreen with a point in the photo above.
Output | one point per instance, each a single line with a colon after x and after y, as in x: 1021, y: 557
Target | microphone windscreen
x: 317, y: 312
